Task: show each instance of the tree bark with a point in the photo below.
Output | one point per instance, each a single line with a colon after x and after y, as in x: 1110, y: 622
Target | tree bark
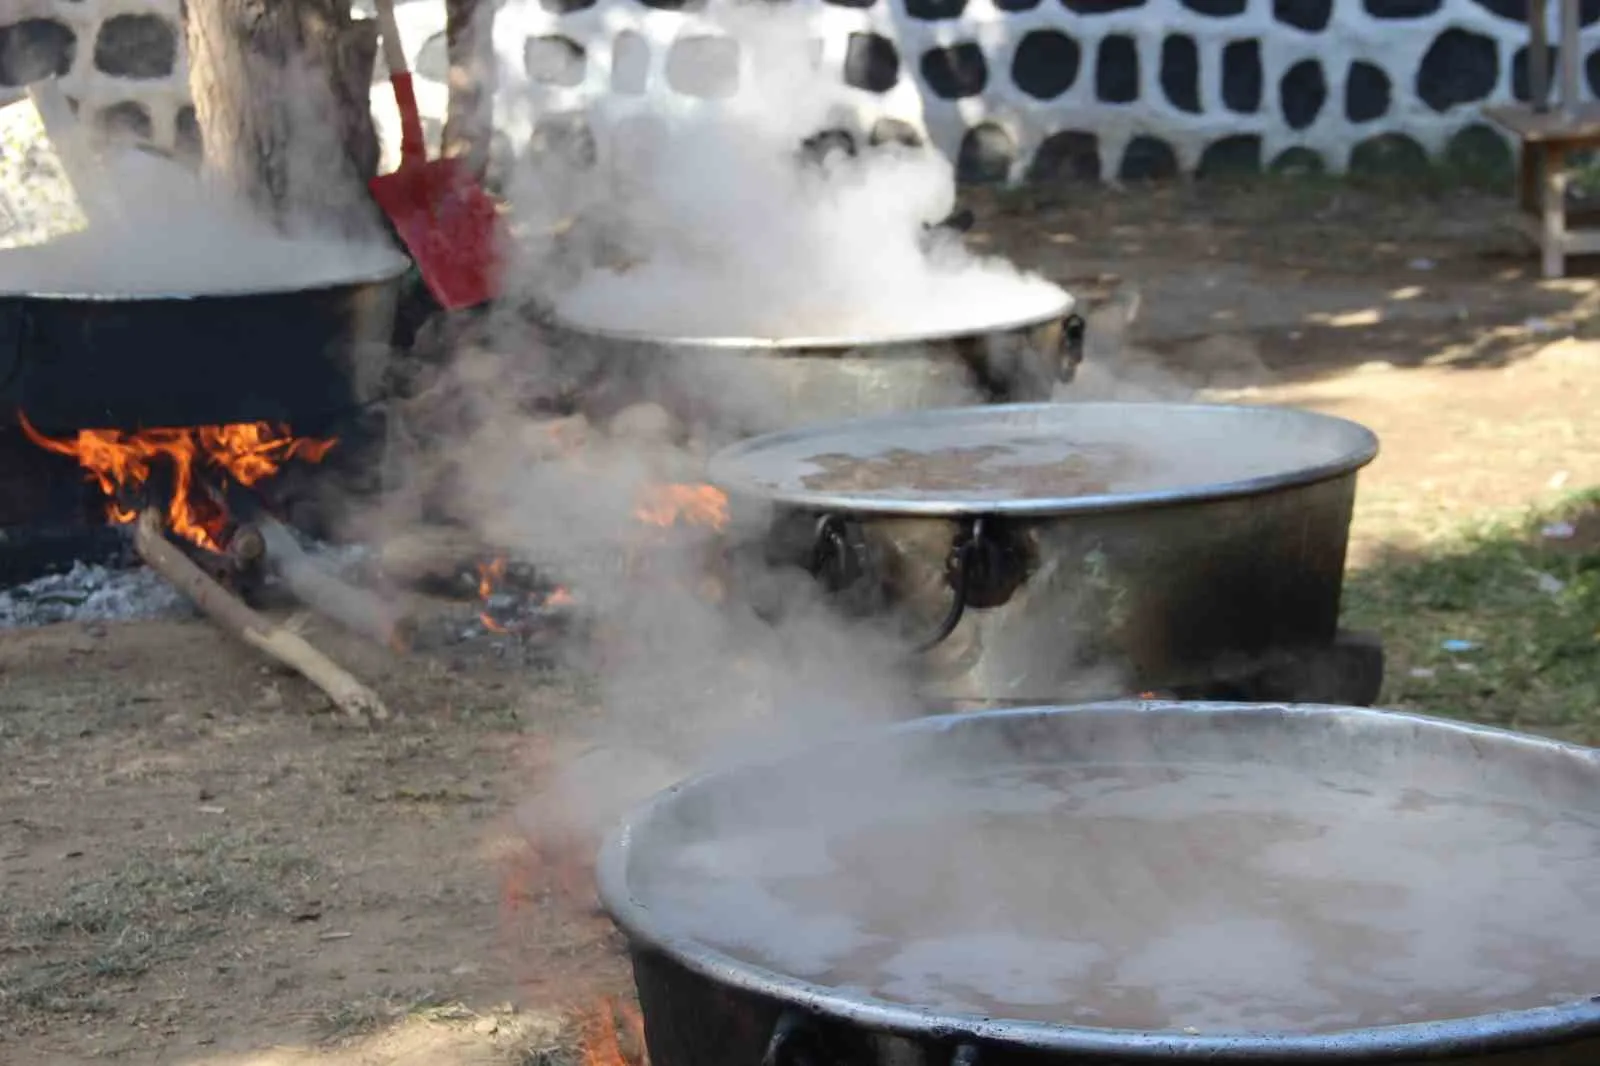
x: 281, y: 91
x: 468, y: 45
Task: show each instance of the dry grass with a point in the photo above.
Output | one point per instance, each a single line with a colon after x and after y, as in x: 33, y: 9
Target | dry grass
x: 100, y: 931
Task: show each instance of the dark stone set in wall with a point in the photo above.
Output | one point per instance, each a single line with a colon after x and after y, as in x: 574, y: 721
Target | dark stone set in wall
x: 136, y: 48
x: 1097, y: 50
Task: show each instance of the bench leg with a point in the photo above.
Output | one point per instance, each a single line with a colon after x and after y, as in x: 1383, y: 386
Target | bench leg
x: 1553, y: 211
x: 1528, y: 185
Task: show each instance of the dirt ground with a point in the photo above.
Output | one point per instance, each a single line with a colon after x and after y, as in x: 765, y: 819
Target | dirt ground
x: 201, y: 865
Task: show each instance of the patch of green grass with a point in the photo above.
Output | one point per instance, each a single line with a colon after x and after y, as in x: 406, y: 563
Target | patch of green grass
x: 1530, y: 605
x: 154, y: 908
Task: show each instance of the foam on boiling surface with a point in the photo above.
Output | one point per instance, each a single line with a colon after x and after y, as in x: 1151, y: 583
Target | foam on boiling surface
x: 1223, y: 899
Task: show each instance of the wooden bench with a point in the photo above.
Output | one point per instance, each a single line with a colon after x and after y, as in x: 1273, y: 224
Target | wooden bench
x: 1547, y: 139
x: 1548, y: 135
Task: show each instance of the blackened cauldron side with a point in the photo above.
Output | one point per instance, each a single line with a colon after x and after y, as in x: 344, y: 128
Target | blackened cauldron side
x: 298, y: 356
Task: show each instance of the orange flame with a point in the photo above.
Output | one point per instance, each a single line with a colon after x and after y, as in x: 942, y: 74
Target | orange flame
x: 613, y: 1035
x: 489, y: 577
x: 488, y: 574
x: 246, y: 451
x: 696, y: 505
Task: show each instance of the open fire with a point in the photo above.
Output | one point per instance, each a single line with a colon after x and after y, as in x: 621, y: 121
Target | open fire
x: 675, y: 504
x: 120, y: 462
x: 491, y: 583
x: 662, y: 506
x: 613, y: 1035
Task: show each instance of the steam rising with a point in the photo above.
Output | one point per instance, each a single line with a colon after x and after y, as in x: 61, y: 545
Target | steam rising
x: 730, y: 235
x: 1149, y: 874
x: 159, y: 227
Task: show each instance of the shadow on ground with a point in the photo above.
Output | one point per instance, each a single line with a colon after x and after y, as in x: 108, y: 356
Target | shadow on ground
x: 1309, y: 276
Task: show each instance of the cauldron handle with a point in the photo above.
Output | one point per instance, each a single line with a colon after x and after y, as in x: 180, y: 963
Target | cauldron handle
x: 838, y: 563
x: 835, y: 560
x: 960, y: 573
x: 785, y: 1047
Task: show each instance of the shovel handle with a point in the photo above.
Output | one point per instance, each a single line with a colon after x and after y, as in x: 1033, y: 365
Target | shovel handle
x: 412, y: 147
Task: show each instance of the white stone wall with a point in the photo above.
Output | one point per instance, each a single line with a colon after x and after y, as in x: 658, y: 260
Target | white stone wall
x: 1059, y: 90
x: 120, y: 61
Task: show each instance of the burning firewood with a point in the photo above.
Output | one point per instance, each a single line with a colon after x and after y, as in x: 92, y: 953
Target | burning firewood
x: 232, y: 614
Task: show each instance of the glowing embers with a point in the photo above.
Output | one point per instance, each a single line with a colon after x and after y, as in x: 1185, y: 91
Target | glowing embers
x: 507, y: 598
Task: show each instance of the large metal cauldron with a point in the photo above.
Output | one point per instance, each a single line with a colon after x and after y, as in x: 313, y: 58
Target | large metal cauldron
x: 1211, y: 565
x: 755, y: 384
x: 707, y: 1007
x: 300, y: 356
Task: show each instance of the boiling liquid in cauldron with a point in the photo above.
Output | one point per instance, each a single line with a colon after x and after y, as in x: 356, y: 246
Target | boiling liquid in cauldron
x: 1218, y: 899
x: 1001, y: 471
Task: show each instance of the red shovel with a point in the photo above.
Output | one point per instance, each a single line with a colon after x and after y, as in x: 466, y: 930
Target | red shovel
x: 446, y: 220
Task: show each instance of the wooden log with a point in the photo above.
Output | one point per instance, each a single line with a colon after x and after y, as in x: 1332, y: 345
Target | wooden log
x: 356, y: 609
x: 275, y: 641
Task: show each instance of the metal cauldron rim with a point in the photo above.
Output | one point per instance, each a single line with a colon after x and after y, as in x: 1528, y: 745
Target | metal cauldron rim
x: 1503, y: 1031
x: 1362, y: 450
x: 396, y: 267
x: 1061, y: 309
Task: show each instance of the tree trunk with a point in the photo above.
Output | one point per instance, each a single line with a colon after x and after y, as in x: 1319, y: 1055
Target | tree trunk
x: 467, y: 128
x: 281, y: 90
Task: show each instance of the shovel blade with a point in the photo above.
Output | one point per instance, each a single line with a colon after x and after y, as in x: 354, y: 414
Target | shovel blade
x: 450, y: 227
